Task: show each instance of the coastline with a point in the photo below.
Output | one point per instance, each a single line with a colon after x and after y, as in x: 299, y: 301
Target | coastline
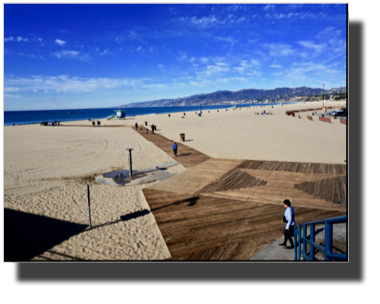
x: 46, y: 169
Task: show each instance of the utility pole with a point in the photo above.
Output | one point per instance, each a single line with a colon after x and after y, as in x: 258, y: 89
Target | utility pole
x: 130, y: 163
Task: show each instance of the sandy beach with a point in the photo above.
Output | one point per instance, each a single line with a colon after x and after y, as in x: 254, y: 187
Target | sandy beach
x: 46, y: 170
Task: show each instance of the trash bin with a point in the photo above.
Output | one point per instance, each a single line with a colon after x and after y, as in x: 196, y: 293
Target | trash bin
x: 182, y: 136
x: 146, y: 123
x: 93, y: 123
x: 199, y: 114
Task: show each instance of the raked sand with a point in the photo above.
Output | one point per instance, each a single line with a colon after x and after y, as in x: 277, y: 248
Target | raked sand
x: 46, y: 169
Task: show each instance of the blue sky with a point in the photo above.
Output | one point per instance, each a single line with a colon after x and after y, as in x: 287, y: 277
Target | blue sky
x: 80, y: 56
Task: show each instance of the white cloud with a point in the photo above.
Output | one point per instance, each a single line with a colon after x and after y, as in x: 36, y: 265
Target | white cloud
x: 203, y: 22
x: 195, y: 64
x: 195, y: 84
x: 64, y: 83
x: 126, y: 36
x: 11, y: 96
x: 311, y: 45
x: 138, y: 49
x: 68, y: 54
x: 154, y: 86
x: 248, y: 67
x: 229, y: 39
x: 105, y: 52
x: 60, y: 42
x: 18, y: 39
x: 269, y: 7
x: 276, y: 66
x: 280, y: 49
x: 203, y: 59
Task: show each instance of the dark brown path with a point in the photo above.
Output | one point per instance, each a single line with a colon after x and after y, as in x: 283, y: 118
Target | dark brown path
x: 187, y: 157
x: 223, y: 209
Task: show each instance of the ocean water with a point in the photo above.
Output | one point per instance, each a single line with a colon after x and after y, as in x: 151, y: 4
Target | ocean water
x: 36, y: 117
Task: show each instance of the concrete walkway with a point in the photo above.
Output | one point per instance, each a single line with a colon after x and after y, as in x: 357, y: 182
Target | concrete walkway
x: 275, y: 252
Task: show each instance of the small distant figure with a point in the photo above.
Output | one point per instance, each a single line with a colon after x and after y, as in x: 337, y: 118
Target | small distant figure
x: 175, y: 148
x: 89, y: 119
x: 13, y: 123
x: 136, y: 126
x: 152, y: 127
x: 98, y: 123
x: 140, y: 129
x: 147, y: 131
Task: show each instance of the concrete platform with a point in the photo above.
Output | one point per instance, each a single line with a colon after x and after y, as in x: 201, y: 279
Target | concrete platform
x: 139, y: 176
x: 275, y: 252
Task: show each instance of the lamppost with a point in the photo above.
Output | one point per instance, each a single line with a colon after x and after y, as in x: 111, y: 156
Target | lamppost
x: 323, y: 96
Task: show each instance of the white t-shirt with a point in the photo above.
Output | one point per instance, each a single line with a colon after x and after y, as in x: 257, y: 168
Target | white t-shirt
x: 289, y: 215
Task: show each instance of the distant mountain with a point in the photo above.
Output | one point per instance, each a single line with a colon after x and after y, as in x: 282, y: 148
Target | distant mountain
x: 242, y: 96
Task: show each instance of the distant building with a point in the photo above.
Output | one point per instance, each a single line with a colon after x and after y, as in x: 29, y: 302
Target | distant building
x: 120, y: 114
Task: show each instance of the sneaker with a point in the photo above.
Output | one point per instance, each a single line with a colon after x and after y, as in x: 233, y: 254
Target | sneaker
x: 282, y: 244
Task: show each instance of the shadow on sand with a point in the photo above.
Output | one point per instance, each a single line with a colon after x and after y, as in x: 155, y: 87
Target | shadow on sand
x: 27, y: 235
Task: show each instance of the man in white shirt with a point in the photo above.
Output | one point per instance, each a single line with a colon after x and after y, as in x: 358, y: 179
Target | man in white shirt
x: 289, y: 220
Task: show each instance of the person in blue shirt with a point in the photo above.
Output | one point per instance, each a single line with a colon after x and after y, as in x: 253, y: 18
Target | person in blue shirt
x: 175, y: 147
x: 289, y: 220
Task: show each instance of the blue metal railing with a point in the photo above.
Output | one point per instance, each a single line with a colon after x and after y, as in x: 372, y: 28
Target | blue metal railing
x: 327, y: 250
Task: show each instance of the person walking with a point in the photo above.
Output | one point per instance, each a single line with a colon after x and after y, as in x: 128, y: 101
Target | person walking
x: 290, y: 221
x: 175, y: 148
x: 136, y: 126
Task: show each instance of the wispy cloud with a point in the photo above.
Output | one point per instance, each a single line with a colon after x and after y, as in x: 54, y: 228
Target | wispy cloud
x: 154, y: 86
x: 228, y: 39
x: 311, y: 45
x: 60, y: 42
x: 72, y: 55
x: 11, y: 96
x: 248, y: 67
x: 269, y: 7
x: 18, y: 39
x: 280, y: 49
x: 126, y: 36
x: 64, y: 83
x: 105, y: 52
x: 31, y: 56
x: 276, y: 66
x: 203, y: 22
